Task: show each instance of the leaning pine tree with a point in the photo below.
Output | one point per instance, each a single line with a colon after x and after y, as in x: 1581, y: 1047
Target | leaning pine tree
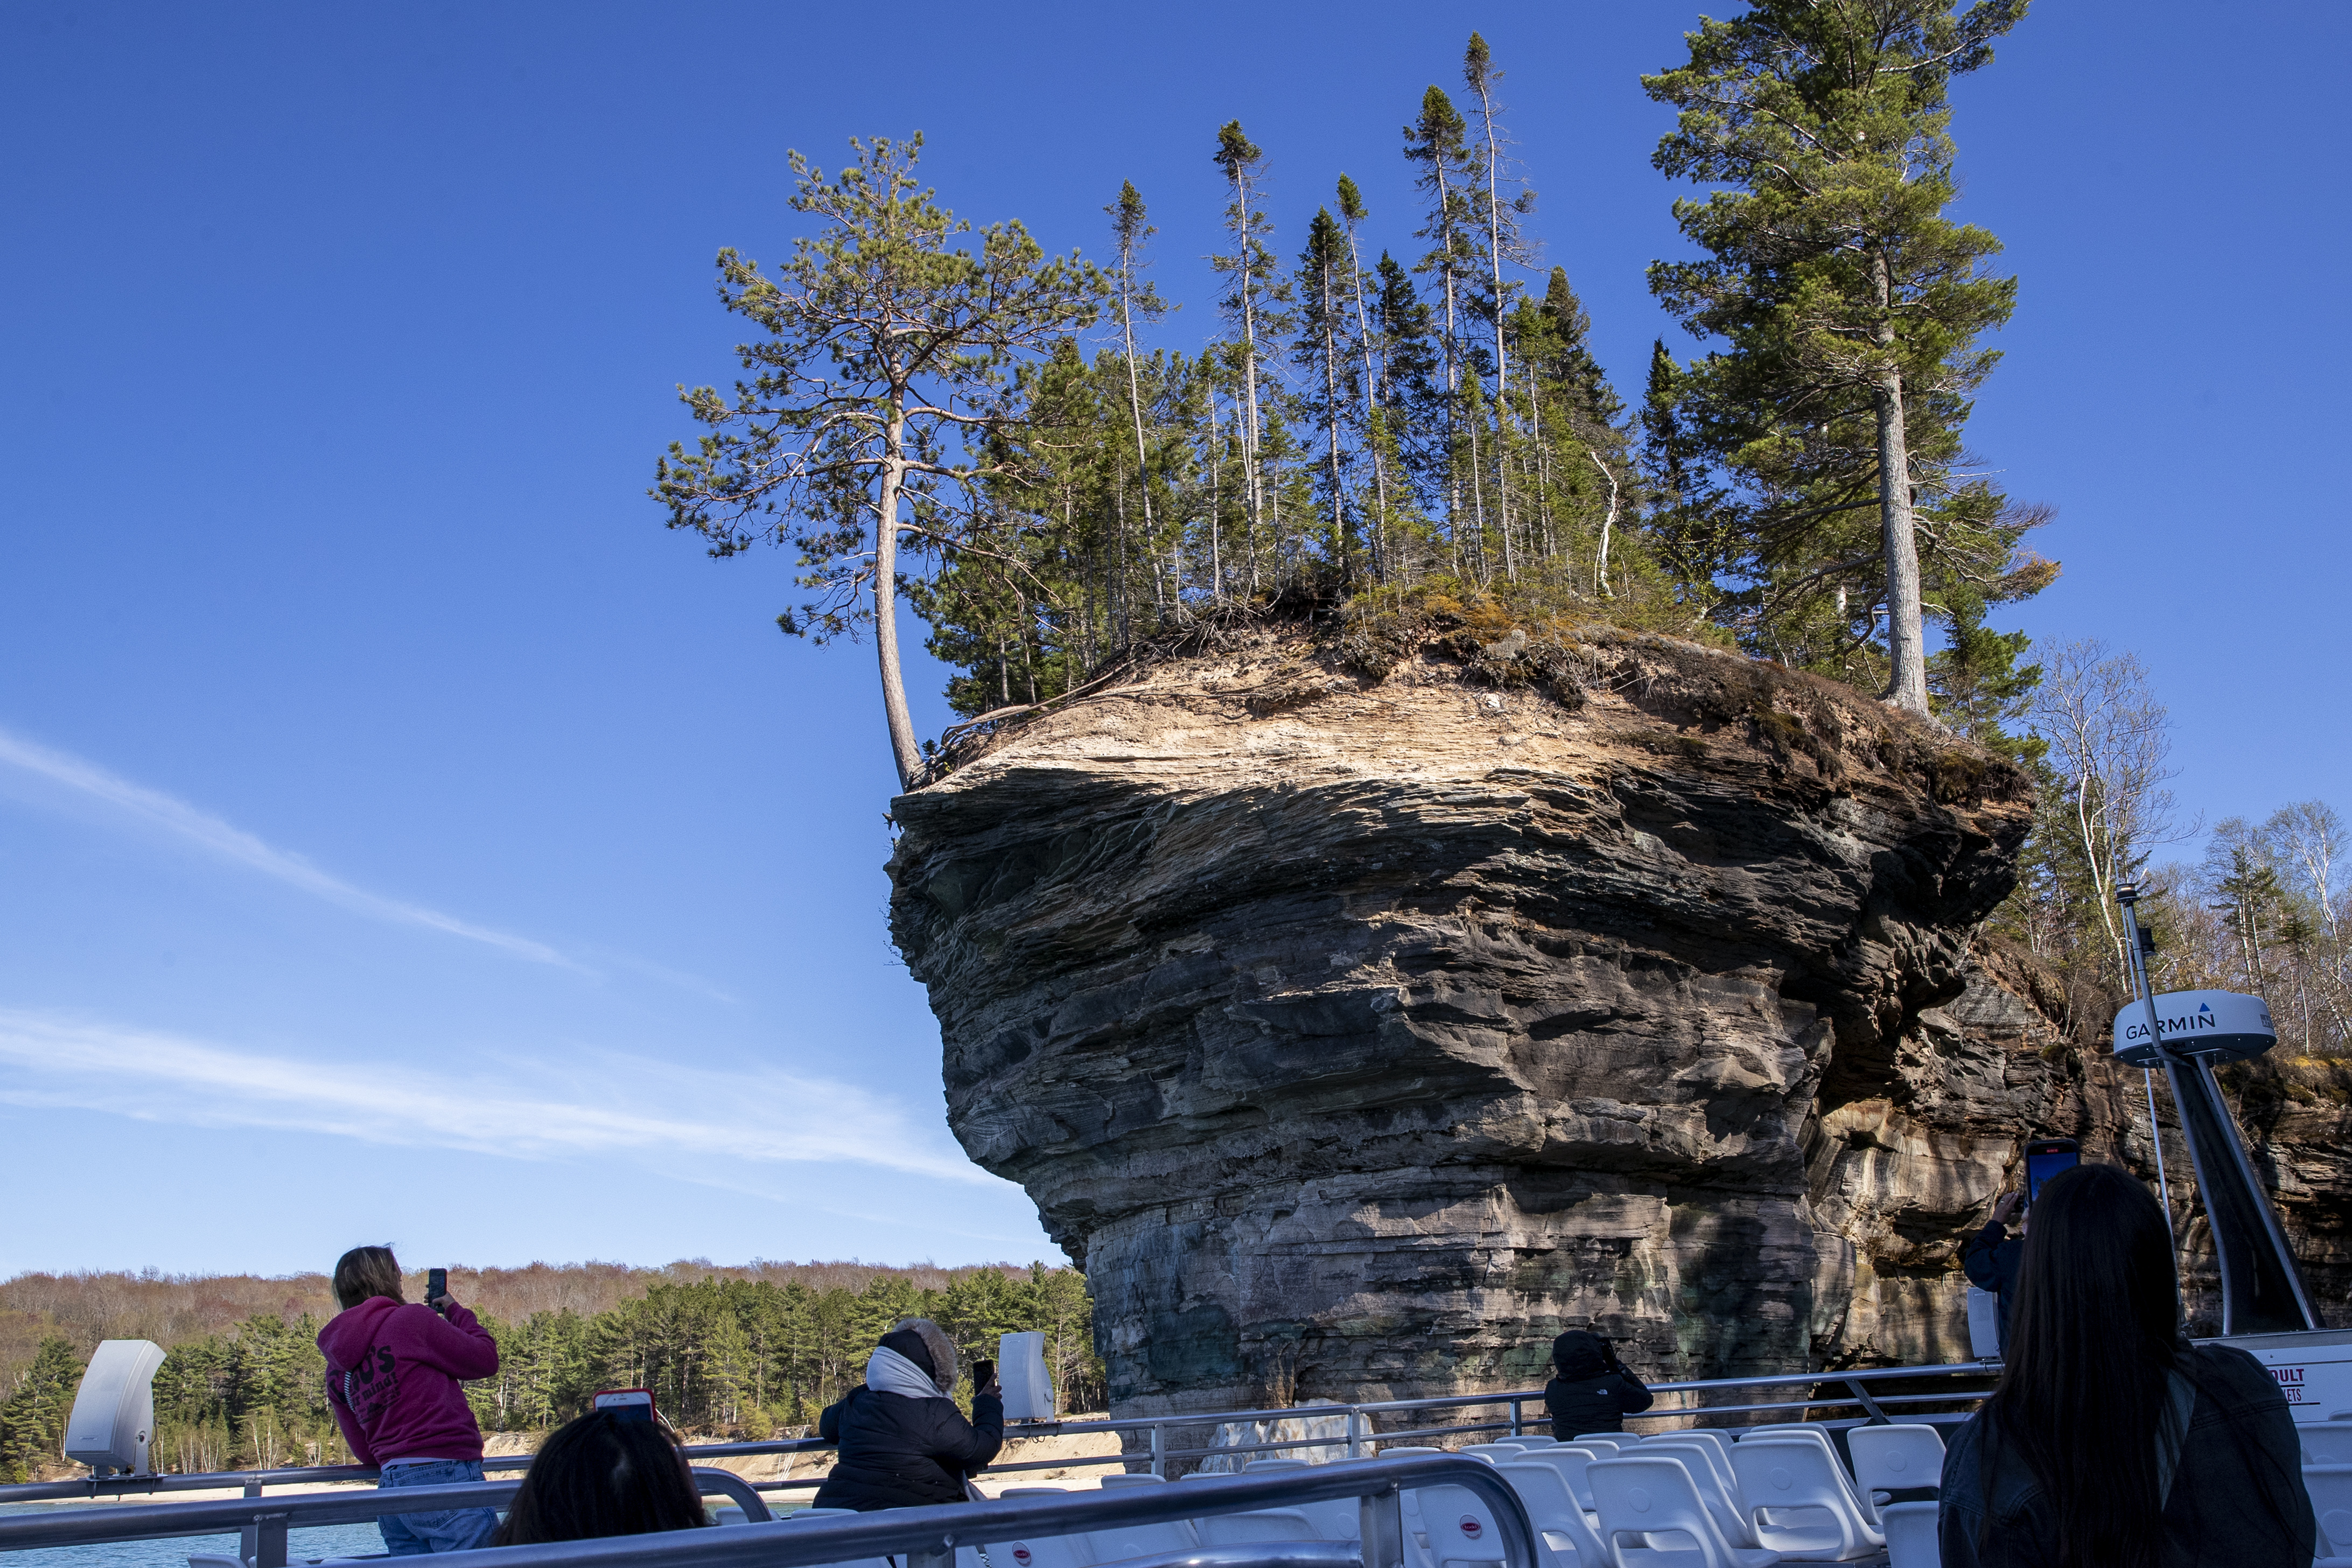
x: 873, y: 397
x: 1849, y: 307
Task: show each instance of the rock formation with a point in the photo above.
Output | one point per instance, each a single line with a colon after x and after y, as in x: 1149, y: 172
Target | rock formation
x: 1359, y: 1019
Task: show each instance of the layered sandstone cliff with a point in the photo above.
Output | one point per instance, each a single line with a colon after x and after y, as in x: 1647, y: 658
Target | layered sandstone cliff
x: 1361, y: 1020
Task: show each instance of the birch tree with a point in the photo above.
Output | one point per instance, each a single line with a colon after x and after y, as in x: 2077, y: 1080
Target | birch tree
x: 870, y: 395
x: 2110, y: 747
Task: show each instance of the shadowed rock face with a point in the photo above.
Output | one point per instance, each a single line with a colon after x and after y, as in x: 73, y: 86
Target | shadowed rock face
x: 1358, y: 1037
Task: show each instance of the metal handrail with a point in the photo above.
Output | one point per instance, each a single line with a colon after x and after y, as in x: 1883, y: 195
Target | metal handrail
x: 272, y: 1516
x: 928, y: 1536
x: 1360, y: 1417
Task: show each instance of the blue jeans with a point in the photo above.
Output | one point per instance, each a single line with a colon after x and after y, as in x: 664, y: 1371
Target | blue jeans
x: 451, y: 1529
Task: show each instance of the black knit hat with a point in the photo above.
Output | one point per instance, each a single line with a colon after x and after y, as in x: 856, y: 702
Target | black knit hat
x: 1580, y: 1353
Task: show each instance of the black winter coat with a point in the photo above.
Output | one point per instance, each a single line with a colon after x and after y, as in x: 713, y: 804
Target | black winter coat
x: 1596, y: 1404
x: 896, y: 1452
x: 1990, y: 1260
x: 2238, y: 1499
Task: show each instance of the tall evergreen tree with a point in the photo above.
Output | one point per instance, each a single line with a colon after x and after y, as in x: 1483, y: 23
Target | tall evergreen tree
x: 1252, y: 297
x: 1352, y: 213
x: 1134, y: 298
x: 1850, y: 306
x: 871, y: 394
x: 1439, y: 142
x: 1323, y: 351
x: 1504, y: 246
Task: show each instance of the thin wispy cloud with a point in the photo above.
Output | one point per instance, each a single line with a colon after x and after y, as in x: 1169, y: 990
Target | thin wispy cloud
x: 216, y: 837
x: 604, y: 1103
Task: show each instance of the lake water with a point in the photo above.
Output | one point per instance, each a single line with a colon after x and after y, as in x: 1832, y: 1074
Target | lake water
x: 301, y: 1545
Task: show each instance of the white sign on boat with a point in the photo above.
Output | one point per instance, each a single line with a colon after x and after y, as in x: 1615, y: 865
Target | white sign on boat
x: 2221, y: 1024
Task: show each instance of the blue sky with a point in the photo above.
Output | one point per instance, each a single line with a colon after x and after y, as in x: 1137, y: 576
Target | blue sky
x: 403, y: 837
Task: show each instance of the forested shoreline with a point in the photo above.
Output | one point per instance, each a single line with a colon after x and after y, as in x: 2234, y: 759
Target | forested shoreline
x: 749, y: 1352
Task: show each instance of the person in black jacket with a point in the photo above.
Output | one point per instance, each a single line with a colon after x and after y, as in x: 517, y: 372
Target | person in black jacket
x: 902, y: 1442
x: 2111, y: 1438
x: 1990, y: 1259
x: 1593, y: 1391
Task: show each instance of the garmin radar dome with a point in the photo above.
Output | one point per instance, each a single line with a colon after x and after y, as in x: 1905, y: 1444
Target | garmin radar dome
x: 2224, y: 1025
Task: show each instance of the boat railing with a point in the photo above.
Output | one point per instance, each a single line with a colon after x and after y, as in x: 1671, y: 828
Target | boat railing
x: 929, y: 1537
x: 1152, y: 1442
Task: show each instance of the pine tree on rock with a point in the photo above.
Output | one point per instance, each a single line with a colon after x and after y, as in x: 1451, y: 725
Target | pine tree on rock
x: 1322, y: 350
x: 872, y: 396
x: 1849, y: 306
x: 1252, y: 296
x: 1133, y: 298
x: 1504, y: 245
x: 1439, y: 142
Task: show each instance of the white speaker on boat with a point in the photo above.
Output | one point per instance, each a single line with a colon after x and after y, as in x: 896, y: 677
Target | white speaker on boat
x: 113, y: 1417
x: 1020, y: 1370
x: 1984, y: 1325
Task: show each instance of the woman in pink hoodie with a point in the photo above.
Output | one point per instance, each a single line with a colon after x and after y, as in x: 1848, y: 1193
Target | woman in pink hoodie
x: 393, y: 1374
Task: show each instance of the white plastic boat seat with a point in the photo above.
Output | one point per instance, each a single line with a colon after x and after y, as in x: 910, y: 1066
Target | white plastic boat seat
x: 1650, y: 1500
x: 1718, y: 1452
x: 2327, y: 1442
x: 2330, y: 1487
x: 1245, y: 1529
x: 1034, y: 1491
x: 728, y: 1514
x: 1797, y: 1500
x: 1461, y: 1527
x: 1819, y: 1438
x: 1773, y: 1429
x: 1557, y: 1514
x: 1040, y: 1552
x: 1496, y: 1452
x: 1571, y: 1460
x: 1116, y: 1543
x: 1717, y: 1497
x: 1535, y: 1440
x: 1402, y: 1449
x: 1889, y: 1459
x: 1614, y: 1439
x: 1335, y: 1518
x: 1145, y: 1480
x: 1911, y: 1539
x: 1275, y: 1464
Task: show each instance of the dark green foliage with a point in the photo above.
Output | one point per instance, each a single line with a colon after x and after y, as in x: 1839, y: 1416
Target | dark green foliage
x: 1977, y: 686
x: 33, y: 1416
x: 1838, y: 296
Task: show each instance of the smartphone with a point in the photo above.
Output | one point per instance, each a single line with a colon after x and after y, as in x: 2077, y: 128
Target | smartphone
x: 2044, y: 1158
x: 981, y: 1371
x: 628, y: 1403
x: 436, y: 1285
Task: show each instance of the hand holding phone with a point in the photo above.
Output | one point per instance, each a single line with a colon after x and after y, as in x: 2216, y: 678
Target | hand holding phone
x: 436, y: 1290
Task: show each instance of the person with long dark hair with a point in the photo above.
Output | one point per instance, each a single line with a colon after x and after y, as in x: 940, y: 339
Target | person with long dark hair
x: 2111, y: 1441
x: 603, y: 1475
